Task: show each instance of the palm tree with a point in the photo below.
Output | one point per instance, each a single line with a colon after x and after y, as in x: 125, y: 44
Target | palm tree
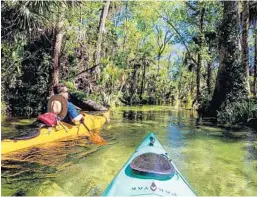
x: 24, y: 17
x: 33, y: 18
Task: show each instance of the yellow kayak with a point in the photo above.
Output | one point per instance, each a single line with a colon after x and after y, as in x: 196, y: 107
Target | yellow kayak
x: 50, y: 134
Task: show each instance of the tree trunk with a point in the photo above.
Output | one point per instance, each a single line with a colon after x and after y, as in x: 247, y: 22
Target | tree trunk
x: 209, y: 69
x: 209, y: 77
x: 199, y: 64
x: 255, y: 61
x: 133, y: 82
x: 125, y: 27
x: 142, y: 83
x: 245, y: 48
x: 101, y: 31
x: 162, y: 43
x: 230, y: 83
x: 198, y: 76
x: 87, y: 105
x: 125, y: 36
x: 59, y: 33
x: 158, y: 63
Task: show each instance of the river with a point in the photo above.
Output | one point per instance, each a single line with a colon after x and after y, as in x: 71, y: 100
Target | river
x: 215, y: 161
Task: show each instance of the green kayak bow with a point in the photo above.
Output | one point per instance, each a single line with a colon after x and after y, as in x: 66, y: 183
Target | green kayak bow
x: 149, y: 172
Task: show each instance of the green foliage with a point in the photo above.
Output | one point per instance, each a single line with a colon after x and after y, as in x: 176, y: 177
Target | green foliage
x: 241, y: 111
x: 27, y: 96
x: 78, y: 94
x: 148, y: 55
x: 70, y: 85
x: 3, y: 107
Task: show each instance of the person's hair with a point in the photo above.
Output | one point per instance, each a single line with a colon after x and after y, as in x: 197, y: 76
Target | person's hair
x: 59, y: 88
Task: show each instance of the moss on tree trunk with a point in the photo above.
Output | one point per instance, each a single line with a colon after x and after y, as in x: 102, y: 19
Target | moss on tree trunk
x: 230, y: 84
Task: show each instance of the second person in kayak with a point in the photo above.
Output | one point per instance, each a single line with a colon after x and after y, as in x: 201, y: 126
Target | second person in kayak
x: 72, y: 113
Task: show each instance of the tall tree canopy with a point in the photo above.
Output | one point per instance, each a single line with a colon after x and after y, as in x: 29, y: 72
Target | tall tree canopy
x: 127, y: 52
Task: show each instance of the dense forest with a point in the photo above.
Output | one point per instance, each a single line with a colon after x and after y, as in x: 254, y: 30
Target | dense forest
x: 197, y: 54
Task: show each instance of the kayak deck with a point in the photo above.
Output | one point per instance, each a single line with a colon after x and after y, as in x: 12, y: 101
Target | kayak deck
x: 51, y: 134
x: 128, y: 183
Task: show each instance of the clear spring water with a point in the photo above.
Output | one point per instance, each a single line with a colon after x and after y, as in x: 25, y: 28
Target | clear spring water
x: 214, y: 161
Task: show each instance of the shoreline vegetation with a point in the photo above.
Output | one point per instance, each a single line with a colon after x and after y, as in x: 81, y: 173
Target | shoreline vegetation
x: 201, y: 55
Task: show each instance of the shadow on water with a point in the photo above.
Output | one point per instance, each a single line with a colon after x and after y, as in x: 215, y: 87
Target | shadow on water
x: 15, y: 127
x: 20, y: 192
x: 41, y: 164
x: 252, y: 150
x: 140, y: 115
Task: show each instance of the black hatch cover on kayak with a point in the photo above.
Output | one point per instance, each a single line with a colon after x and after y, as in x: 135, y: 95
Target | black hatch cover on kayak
x: 152, y: 164
x: 32, y: 134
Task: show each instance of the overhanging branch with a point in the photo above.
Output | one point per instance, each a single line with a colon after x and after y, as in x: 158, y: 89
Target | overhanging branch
x: 181, y: 38
x: 84, y: 71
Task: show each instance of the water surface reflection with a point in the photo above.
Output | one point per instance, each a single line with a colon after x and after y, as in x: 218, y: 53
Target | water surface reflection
x: 215, y: 161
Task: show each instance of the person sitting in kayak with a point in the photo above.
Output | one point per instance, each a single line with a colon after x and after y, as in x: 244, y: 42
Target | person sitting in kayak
x: 72, y: 113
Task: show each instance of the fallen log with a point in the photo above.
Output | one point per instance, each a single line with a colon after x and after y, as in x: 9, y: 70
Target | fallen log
x: 87, y: 105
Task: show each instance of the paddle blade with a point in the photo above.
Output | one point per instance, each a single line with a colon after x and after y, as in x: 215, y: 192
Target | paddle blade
x: 97, y: 139
x: 94, y: 137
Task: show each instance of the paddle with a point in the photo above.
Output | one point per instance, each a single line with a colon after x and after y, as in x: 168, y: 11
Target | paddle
x: 94, y: 137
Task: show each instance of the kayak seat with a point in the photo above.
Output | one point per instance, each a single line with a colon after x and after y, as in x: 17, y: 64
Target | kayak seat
x: 153, y: 165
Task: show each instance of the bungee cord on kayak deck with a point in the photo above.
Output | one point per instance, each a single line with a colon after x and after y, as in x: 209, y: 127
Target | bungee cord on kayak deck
x: 149, y: 172
x: 50, y: 134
